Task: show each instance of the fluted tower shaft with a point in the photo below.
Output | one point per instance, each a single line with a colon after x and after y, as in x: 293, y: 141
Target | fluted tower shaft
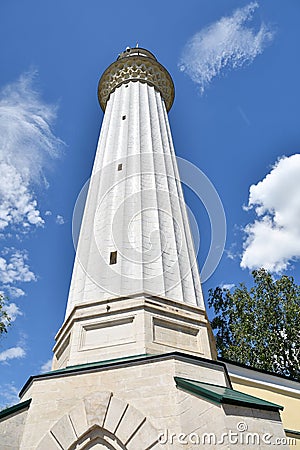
x: 135, y: 240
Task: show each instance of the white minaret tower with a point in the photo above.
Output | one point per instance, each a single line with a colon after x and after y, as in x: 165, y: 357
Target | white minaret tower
x: 135, y: 287
x: 134, y: 365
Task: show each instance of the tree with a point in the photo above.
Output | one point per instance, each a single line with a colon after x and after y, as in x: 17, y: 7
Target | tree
x: 4, y: 317
x: 259, y: 327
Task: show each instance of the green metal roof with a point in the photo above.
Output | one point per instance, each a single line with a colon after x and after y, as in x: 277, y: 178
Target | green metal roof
x: 119, y: 362
x: 97, y: 363
x: 294, y: 432
x: 15, y: 408
x: 222, y: 394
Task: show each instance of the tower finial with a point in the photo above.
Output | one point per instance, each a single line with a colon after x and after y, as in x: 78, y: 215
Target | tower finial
x: 137, y: 45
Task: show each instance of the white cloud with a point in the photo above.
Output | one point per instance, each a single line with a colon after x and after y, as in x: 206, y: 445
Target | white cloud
x: 12, y: 353
x: 227, y: 286
x: 14, y: 268
x: 47, y: 366
x: 13, y: 292
x: 13, y: 311
x: 59, y: 220
x: 273, y: 239
x: 227, y: 43
x: 26, y: 145
x: 8, y: 395
x: 48, y: 213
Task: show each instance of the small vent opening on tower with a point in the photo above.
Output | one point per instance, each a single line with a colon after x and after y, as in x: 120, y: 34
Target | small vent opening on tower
x: 120, y: 166
x: 113, y: 258
x: 123, y: 117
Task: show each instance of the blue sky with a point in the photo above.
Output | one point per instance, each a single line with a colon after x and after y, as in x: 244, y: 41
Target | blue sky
x: 236, y: 71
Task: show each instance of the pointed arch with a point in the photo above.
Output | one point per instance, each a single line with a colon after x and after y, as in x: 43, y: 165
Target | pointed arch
x: 101, y: 421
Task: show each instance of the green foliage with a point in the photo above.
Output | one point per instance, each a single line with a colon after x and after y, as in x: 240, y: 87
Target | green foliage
x: 259, y: 327
x: 4, y: 317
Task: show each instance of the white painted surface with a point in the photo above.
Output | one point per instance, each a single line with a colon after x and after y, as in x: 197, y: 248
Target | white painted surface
x: 138, y: 211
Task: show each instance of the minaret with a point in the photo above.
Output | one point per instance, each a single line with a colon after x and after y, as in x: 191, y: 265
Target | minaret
x: 134, y: 365
x: 135, y: 286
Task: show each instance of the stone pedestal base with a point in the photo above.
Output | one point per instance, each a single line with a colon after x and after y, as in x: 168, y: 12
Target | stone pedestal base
x: 137, y: 325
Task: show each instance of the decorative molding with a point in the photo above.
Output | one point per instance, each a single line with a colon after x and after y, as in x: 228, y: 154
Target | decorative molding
x: 107, y: 333
x: 136, y: 68
x: 173, y: 334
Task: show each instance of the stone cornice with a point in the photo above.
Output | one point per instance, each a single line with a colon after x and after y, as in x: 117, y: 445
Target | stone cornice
x: 144, y: 299
x: 136, y: 68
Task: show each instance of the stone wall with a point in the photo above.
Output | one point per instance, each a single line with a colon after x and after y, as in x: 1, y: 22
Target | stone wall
x: 129, y: 406
x: 11, y: 430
